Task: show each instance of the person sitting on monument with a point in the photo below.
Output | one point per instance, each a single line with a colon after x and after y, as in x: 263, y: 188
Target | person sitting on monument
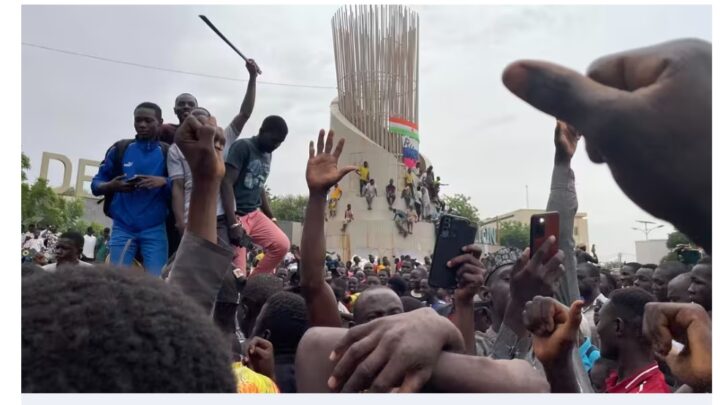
x: 370, y: 192
x: 412, y: 218
x: 390, y: 194
x: 133, y: 177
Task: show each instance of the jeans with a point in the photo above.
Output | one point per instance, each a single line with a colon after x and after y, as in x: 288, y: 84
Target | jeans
x: 152, y: 242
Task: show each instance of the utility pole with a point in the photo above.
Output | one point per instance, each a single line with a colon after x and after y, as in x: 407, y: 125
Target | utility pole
x: 645, y: 229
x: 527, y: 197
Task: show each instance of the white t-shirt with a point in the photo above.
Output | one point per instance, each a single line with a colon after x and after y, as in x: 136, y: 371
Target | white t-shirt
x: 37, y: 244
x: 89, y: 246
x: 52, y: 267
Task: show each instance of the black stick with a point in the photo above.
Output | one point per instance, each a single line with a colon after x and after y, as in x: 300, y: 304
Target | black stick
x: 217, y: 31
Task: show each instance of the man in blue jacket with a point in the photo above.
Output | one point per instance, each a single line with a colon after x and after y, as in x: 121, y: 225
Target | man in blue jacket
x: 133, y: 178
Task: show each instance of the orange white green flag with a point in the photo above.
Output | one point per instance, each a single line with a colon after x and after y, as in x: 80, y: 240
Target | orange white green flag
x: 411, y: 140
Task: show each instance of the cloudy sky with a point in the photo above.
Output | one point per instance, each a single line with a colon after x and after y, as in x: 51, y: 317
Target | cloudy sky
x: 481, y: 139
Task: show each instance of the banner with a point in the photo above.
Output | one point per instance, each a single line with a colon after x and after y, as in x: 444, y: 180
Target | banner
x: 410, y: 137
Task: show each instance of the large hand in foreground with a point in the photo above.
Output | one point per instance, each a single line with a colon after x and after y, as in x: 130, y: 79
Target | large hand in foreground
x: 647, y: 114
x: 554, y: 327
x: 393, y: 351
x: 322, y: 171
x: 690, y: 325
x: 200, y: 140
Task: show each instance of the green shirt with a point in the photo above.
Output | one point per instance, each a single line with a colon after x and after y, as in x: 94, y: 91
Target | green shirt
x: 102, y: 250
x: 254, y: 169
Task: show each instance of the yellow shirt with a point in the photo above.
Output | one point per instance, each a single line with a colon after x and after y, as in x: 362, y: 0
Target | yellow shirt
x: 380, y: 267
x: 250, y: 382
x: 408, y: 179
x: 336, y: 193
x: 364, y: 173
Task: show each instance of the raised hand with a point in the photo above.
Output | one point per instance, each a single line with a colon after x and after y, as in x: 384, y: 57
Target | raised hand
x: 530, y: 277
x: 252, y: 68
x: 690, y: 325
x: 200, y: 140
x: 470, y: 273
x: 322, y: 171
x: 393, y: 351
x: 566, y: 139
x: 647, y: 114
x: 554, y: 327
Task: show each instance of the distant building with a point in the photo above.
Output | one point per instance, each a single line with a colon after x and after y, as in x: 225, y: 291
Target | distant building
x: 488, y: 235
x: 650, y: 251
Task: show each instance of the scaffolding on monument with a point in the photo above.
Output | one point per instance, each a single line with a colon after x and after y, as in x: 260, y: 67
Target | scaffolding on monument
x: 376, y: 59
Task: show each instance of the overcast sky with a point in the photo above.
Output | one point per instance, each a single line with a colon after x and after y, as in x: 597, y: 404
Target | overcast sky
x: 481, y: 139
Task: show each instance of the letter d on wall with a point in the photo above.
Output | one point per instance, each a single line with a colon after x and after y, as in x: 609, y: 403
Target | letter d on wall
x: 67, y: 167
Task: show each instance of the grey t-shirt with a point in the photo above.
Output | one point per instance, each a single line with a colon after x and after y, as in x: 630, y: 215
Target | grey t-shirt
x: 178, y: 168
x: 254, y: 168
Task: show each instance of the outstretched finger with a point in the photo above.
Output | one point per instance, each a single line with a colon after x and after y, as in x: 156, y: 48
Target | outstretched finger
x: 312, y: 149
x: 321, y: 142
x: 339, y: 148
x: 329, y: 141
x: 559, y: 91
x: 345, y: 170
x: 574, y: 315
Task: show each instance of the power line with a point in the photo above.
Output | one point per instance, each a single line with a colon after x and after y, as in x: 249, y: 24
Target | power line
x: 162, y: 69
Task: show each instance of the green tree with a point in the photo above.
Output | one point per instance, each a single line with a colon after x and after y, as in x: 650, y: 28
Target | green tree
x: 41, y: 205
x: 677, y: 238
x: 289, y: 207
x: 25, y: 166
x: 460, y: 204
x: 514, y: 234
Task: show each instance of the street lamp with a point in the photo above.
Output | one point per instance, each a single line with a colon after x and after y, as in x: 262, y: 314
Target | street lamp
x: 645, y: 229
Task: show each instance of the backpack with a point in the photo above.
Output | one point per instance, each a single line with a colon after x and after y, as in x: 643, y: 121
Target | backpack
x: 122, y: 146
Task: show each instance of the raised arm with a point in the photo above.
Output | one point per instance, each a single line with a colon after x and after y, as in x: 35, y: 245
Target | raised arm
x: 248, y: 103
x: 470, y: 274
x: 321, y: 174
x: 201, y: 263
x: 563, y: 199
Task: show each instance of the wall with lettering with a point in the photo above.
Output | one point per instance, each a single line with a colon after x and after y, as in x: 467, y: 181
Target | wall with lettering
x: 81, y: 178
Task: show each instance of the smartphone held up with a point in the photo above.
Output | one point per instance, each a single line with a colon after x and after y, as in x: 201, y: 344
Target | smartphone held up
x: 542, y: 226
x: 453, y: 234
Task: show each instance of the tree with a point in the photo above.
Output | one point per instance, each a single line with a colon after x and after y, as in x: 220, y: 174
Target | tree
x: 289, y: 207
x: 514, y: 234
x: 459, y: 204
x: 25, y: 166
x: 41, y: 205
x: 677, y: 238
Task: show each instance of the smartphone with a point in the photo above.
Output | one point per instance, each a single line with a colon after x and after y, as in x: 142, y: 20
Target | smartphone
x: 453, y: 234
x: 542, y: 226
x: 133, y: 179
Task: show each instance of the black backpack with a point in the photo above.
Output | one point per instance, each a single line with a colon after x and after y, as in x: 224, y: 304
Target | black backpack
x: 122, y: 146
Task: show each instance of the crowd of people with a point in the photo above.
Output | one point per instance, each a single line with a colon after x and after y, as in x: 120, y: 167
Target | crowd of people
x: 420, y: 194
x: 235, y: 308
